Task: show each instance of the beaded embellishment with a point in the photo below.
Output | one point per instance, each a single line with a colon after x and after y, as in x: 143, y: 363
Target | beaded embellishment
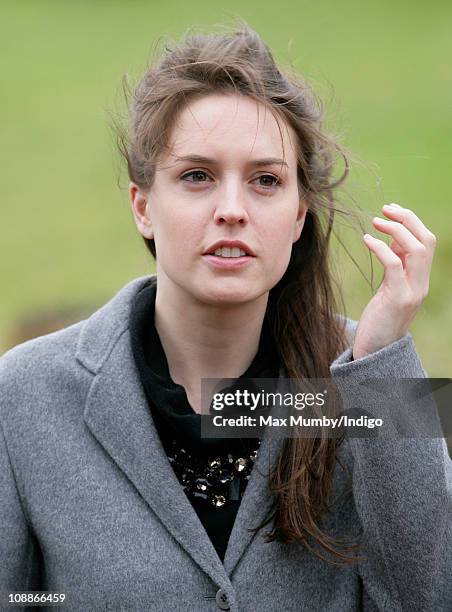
x: 215, y: 482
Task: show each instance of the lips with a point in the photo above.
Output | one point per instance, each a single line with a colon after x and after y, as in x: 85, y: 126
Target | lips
x: 230, y: 244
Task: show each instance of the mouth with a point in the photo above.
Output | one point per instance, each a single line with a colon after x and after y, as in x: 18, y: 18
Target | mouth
x: 230, y: 249
x: 229, y: 253
x: 228, y: 258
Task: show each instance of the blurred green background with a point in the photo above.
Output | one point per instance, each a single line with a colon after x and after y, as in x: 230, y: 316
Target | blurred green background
x: 68, y: 237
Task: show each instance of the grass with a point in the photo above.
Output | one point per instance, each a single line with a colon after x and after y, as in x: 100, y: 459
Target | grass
x: 67, y: 233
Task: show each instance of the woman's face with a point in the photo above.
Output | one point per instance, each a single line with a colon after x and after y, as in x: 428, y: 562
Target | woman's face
x: 228, y: 186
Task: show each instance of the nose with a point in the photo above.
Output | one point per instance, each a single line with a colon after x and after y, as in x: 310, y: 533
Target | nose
x: 230, y: 206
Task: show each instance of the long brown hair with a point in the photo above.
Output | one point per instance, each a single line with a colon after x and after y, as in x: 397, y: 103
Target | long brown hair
x: 302, y: 307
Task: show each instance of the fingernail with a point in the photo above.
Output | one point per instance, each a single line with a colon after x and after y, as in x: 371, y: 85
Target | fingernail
x: 392, y: 206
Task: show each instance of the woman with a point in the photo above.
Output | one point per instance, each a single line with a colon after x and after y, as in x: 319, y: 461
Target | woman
x: 110, y: 495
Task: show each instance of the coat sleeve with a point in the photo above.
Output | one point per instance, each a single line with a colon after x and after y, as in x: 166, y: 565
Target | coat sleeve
x: 21, y: 565
x: 402, y: 489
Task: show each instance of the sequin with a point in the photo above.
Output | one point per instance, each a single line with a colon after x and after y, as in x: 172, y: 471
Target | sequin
x: 214, y: 481
x: 240, y: 464
x: 219, y: 500
x: 202, y: 484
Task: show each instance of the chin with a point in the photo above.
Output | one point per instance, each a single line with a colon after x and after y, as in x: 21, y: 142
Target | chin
x: 226, y: 293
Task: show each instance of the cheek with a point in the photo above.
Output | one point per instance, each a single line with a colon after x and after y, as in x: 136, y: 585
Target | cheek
x: 278, y: 248
x: 180, y: 236
x: 282, y: 250
x: 279, y: 238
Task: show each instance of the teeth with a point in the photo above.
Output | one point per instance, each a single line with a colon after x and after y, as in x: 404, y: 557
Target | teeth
x: 227, y: 252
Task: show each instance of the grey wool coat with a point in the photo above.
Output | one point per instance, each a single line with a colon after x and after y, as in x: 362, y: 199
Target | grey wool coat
x: 90, y: 505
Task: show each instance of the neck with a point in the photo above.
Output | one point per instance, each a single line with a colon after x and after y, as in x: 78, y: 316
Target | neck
x: 206, y: 341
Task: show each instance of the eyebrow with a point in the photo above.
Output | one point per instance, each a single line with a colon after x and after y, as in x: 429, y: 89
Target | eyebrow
x: 200, y: 159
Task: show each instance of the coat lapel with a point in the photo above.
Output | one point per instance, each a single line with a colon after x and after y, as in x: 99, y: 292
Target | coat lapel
x: 118, y: 416
x: 255, y: 504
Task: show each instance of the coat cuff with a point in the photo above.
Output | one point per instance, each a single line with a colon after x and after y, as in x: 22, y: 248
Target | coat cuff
x: 404, y: 405
x: 396, y: 360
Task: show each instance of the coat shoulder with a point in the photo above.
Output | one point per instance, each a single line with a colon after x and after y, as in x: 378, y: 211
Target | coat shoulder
x: 31, y: 352
x: 55, y: 370
x: 40, y: 363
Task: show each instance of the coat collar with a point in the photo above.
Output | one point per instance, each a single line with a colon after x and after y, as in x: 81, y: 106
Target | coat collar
x: 117, y: 414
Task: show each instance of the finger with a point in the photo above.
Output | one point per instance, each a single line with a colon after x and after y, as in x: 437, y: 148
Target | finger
x: 394, y: 273
x: 414, y: 256
x: 397, y: 249
x: 411, y: 221
x: 392, y: 263
x: 416, y: 259
x: 401, y: 234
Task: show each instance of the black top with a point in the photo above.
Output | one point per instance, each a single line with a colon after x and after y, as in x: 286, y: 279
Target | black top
x: 175, y: 419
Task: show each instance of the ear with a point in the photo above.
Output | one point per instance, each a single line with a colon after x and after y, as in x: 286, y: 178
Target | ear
x: 139, y: 201
x: 299, y: 223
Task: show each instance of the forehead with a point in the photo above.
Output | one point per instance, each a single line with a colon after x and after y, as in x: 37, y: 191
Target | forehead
x: 231, y: 126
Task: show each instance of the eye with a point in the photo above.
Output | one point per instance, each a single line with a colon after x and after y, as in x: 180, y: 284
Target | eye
x: 268, y: 177
x: 199, y: 174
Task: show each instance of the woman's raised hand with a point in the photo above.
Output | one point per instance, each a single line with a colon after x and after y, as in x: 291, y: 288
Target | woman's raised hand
x: 407, y: 262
